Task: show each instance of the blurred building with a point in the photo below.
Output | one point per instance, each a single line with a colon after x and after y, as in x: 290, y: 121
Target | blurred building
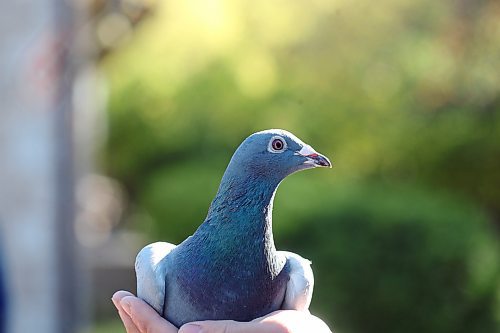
x: 56, y: 215
x: 36, y: 174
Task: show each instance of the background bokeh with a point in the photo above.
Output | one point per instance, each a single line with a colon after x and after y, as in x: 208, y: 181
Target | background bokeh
x: 403, y: 96
x: 120, y: 116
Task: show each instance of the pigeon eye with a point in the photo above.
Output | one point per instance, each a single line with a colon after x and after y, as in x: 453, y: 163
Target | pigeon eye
x: 277, y: 145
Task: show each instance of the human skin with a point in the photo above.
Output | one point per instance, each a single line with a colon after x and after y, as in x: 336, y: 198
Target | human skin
x: 138, y: 317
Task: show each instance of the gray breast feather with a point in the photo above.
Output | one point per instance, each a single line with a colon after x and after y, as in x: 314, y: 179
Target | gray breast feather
x: 151, y: 272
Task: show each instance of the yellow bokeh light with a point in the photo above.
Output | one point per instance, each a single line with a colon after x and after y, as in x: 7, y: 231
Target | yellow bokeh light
x: 255, y: 73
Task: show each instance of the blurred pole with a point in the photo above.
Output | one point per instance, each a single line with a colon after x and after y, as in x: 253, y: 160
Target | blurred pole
x: 67, y: 258
x: 36, y: 177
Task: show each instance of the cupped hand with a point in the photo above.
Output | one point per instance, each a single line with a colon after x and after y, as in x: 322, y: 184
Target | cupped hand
x: 139, y: 317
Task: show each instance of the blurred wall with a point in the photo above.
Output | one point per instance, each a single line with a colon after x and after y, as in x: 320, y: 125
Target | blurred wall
x: 36, y: 178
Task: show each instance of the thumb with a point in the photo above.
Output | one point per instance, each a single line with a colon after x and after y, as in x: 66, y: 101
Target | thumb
x: 219, y: 326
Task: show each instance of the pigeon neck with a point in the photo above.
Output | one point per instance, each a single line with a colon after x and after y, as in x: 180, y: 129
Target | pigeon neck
x: 244, y: 196
x: 239, y: 224
x: 244, y: 204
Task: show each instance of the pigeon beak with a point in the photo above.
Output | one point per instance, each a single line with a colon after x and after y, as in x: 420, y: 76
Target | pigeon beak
x: 313, y: 157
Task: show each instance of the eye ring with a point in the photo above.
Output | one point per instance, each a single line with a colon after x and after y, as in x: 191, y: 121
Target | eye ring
x: 277, y: 145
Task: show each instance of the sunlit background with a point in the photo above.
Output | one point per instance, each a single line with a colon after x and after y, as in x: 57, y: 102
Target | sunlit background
x: 151, y: 98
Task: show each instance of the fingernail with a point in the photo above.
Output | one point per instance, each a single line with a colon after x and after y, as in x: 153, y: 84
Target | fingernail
x: 191, y: 328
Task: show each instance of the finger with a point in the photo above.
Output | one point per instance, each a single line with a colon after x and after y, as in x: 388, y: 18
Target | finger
x: 272, y: 323
x: 118, y: 296
x: 222, y: 326
x: 276, y: 322
x: 145, y: 318
x: 127, y: 321
x: 291, y: 321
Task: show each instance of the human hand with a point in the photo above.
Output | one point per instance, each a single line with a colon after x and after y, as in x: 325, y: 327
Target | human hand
x: 139, y: 317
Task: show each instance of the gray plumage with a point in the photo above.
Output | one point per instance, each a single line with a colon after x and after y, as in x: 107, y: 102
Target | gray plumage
x: 229, y: 268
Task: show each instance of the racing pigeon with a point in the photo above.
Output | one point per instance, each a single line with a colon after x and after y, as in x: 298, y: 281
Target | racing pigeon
x: 229, y: 269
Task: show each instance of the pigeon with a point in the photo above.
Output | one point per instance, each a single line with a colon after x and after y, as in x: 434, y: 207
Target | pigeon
x: 229, y: 269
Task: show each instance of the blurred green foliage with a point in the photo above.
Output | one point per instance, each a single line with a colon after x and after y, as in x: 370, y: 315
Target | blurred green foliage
x: 383, y: 264
x: 111, y: 326
x: 404, y: 96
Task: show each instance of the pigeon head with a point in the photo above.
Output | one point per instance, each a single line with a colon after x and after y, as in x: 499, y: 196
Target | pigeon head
x: 275, y: 154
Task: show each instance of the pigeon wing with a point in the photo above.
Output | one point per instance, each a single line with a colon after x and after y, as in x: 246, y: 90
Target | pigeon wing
x: 299, y: 288
x: 150, y: 272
